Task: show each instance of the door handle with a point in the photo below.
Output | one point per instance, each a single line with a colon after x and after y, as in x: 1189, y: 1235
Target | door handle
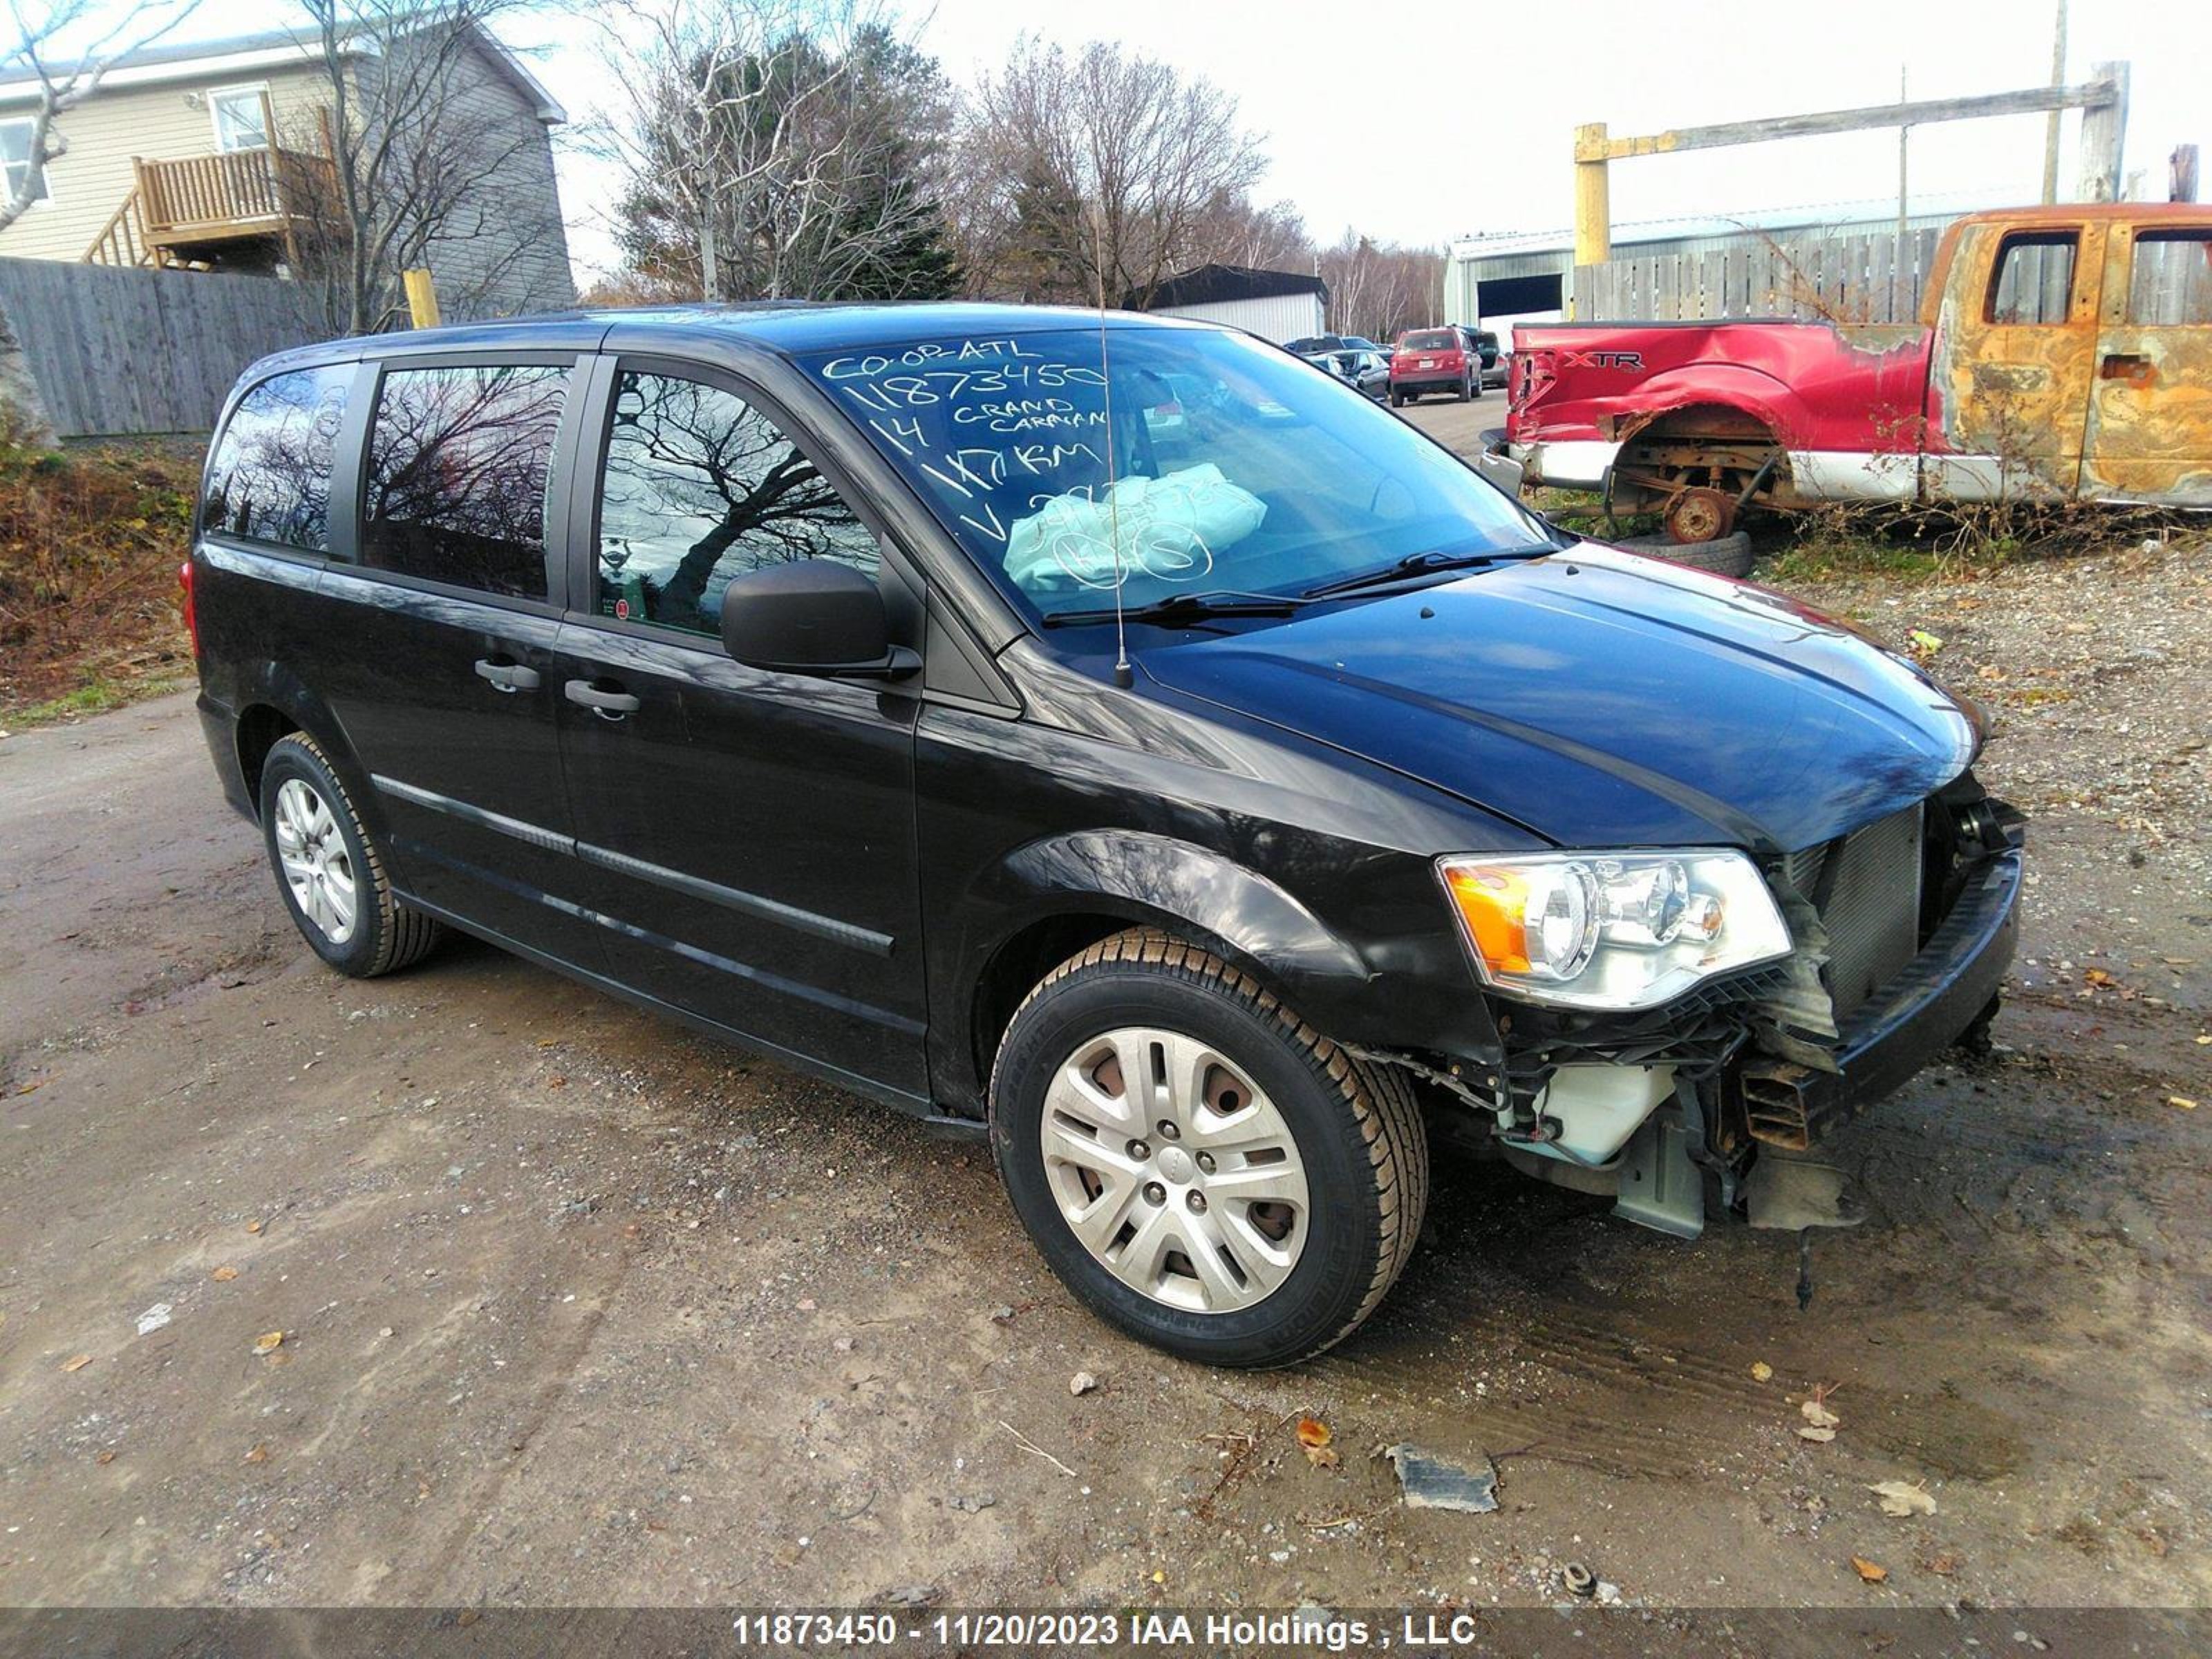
x: 607, y: 705
x: 2125, y: 366
x: 507, y: 677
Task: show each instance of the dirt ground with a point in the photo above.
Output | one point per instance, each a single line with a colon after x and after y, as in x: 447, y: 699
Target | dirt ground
x: 577, y: 1310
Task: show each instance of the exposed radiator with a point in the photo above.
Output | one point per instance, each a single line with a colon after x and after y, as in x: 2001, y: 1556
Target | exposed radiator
x: 1867, y: 887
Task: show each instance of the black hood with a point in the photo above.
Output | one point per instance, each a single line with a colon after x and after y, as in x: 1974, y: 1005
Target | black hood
x: 1602, y: 699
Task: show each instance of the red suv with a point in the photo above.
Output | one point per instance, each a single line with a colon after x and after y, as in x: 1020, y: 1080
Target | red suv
x: 1433, y: 360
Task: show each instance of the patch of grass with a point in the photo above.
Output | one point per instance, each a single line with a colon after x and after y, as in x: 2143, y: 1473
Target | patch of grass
x: 1828, y: 558
x: 90, y: 540
x: 97, y: 696
x: 1582, y: 511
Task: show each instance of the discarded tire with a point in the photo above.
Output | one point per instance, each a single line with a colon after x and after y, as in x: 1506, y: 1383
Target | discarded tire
x: 1728, y: 557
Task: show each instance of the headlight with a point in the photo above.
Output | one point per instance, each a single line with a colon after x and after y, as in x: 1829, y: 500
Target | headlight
x: 1611, y: 930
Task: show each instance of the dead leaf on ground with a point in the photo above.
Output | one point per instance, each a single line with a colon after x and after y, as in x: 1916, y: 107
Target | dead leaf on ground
x: 1867, y: 1570
x: 2182, y: 1100
x: 269, y: 1342
x: 1761, y: 1371
x: 1902, y: 1497
x: 223, y: 1275
x: 1947, y: 1564
x: 1313, y: 1437
x: 1819, y: 1415
x: 2098, y: 976
x: 77, y: 1362
x: 259, y: 1455
x: 1821, y: 1435
x: 105, y: 1458
x: 253, y: 1226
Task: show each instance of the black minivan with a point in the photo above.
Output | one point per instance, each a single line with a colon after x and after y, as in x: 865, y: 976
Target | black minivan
x: 1104, y: 734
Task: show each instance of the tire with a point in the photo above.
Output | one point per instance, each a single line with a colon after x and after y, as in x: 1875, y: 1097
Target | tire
x: 309, y: 818
x: 1397, y: 398
x: 1340, y: 1143
x: 1728, y: 557
x: 1466, y: 389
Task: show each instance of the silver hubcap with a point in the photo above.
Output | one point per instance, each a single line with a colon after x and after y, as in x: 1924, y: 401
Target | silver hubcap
x: 317, y: 867
x: 1176, y: 1172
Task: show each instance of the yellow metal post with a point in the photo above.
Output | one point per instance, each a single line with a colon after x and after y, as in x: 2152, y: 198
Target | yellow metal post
x: 1593, y: 196
x: 421, y: 298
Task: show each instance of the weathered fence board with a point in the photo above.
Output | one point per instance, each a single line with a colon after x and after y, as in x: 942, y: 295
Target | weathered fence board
x: 1863, y: 277
x: 118, y: 352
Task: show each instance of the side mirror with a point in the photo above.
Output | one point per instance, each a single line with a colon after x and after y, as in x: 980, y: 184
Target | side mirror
x: 812, y: 617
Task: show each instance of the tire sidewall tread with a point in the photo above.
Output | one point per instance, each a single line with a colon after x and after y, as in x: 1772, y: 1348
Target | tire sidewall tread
x: 1376, y: 1143
x: 387, y: 935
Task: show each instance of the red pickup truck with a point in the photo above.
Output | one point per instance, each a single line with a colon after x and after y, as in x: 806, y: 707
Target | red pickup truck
x: 2064, y: 352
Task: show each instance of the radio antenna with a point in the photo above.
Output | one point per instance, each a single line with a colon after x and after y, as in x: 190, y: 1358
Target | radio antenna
x: 1123, y: 675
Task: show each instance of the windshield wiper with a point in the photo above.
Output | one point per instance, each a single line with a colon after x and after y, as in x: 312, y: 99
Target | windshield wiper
x: 1187, y: 607
x: 1413, y: 564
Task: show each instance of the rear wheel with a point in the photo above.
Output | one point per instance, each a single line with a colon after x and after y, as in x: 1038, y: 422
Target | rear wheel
x: 1200, y: 1166
x: 329, y: 869
x: 1466, y: 387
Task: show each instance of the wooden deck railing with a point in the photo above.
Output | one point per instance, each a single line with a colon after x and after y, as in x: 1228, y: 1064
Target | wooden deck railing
x: 236, y: 188
x: 184, y: 211
x: 122, y: 241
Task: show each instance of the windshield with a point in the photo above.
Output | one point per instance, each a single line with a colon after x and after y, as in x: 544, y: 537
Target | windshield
x: 1236, y: 468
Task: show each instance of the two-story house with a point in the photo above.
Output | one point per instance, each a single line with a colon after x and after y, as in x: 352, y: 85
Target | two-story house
x: 213, y: 155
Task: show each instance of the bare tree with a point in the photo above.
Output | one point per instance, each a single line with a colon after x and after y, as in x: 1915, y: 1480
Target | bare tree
x: 1377, y: 290
x: 411, y: 163
x: 64, y: 76
x: 779, y: 148
x: 1094, y: 172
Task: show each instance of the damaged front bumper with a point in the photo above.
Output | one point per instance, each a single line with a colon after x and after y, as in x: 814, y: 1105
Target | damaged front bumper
x: 1701, y: 1106
x: 1913, y: 1018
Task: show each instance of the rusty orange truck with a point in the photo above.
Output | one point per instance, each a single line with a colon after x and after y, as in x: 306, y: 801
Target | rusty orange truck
x: 2061, y: 351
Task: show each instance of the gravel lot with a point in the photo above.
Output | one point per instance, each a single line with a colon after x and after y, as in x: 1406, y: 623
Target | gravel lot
x: 576, y: 1309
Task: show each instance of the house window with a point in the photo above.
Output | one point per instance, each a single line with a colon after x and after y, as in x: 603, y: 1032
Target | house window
x: 17, y: 164
x: 241, y: 117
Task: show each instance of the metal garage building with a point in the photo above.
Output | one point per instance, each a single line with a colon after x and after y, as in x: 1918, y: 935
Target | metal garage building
x: 1494, y: 282
x: 1281, y: 305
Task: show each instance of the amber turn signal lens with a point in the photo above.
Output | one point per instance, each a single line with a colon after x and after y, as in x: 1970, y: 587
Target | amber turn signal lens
x: 1493, y: 904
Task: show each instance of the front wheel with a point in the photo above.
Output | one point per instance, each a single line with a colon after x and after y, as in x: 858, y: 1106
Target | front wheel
x: 1200, y: 1166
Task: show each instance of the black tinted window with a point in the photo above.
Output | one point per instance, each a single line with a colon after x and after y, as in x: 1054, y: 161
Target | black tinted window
x: 700, y: 487
x: 270, y: 479
x: 456, y: 484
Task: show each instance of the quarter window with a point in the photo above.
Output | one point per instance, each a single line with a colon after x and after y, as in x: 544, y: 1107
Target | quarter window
x: 455, y: 490
x: 2033, y: 282
x: 16, y: 166
x: 270, y: 479
x: 2170, y: 284
x: 700, y: 487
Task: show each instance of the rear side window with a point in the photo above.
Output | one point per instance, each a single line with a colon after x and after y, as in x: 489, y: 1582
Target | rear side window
x: 270, y: 478
x: 700, y: 487
x: 1429, y: 339
x: 2170, y: 285
x: 2033, y: 282
x: 455, y: 490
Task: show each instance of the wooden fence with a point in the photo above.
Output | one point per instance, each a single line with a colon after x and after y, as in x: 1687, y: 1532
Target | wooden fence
x: 1865, y: 277
x: 118, y: 352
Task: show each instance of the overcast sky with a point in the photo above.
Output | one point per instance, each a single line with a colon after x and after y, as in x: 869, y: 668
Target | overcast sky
x: 1421, y: 120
